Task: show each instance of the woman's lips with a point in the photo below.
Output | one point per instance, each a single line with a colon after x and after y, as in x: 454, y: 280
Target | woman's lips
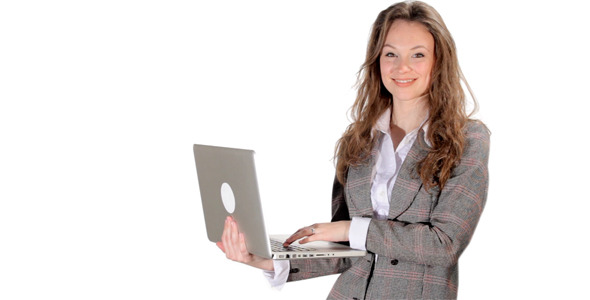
x: 404, y: 82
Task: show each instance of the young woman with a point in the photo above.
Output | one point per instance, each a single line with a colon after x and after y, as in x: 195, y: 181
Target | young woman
x: 412, y: 174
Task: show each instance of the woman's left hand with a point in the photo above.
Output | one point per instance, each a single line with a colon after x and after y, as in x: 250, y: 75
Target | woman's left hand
x: 331, y: 232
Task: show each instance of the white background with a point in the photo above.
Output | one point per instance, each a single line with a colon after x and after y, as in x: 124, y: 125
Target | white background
x: 101, y: 102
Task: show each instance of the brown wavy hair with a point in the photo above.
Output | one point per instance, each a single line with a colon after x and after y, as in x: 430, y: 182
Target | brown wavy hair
x: 446, y: 99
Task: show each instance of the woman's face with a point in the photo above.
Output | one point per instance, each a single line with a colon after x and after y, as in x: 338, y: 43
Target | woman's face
x: 407, y: 59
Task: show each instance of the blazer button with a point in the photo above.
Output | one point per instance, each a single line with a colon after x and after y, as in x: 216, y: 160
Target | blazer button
x: 294, y: 270
x: 394, y: 262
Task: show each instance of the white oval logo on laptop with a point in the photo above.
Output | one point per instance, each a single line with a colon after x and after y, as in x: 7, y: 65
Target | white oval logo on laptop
x: 227, y: 197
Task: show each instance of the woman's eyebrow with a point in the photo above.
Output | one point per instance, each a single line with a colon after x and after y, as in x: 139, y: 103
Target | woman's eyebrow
x: 420, y: 46
x: 413, y: 48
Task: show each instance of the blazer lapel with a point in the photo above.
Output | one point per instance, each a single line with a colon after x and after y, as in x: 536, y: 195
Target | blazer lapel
x: 408, y: 182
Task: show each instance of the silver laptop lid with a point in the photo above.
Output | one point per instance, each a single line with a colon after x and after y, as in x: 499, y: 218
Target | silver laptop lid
x: 228, y: 185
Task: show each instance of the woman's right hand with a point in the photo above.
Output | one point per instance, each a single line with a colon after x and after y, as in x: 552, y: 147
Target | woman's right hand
x: 233, y: 244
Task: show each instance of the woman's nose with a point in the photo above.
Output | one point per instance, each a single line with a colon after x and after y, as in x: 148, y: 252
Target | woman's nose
x: 403, y: 66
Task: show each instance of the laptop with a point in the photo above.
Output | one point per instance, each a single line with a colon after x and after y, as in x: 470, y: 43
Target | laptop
x: 229, y: 187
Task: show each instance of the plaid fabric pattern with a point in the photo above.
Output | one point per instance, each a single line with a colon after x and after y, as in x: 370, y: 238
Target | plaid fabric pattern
x: 426, y: 231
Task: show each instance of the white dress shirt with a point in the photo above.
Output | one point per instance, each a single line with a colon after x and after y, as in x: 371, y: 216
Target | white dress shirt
x: 388, y: 163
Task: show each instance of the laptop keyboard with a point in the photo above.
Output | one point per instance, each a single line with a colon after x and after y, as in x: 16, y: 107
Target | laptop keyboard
x: 277, y: 246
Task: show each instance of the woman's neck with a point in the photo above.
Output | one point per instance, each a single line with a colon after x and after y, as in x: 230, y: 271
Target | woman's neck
x: 407, y: 115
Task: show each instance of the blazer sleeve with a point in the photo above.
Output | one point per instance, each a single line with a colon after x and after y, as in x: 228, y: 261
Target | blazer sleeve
x: 339, y: 207
x: 309, y: 268
x: 453, y: 218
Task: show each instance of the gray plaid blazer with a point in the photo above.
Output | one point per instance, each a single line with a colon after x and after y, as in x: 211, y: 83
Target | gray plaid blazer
x: 419, y: 245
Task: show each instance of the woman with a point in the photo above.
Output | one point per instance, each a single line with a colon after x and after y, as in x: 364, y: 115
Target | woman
x: 412, y: 173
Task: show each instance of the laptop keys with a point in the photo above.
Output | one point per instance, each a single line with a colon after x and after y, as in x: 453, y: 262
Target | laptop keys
x: 277, y: 246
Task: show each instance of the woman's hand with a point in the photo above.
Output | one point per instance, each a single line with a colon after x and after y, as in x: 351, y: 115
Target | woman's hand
x: 331, y: 232
x: 233, y: 245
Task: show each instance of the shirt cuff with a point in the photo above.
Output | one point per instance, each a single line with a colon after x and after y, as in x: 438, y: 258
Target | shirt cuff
x: 357, y: 234
x: 279, y: 276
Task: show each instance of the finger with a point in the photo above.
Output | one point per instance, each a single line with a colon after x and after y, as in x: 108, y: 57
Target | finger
x: 229, y: 241
x: 220, y: 246
x: 311, y: 238
x: 225, y: 238
x: 303, y: 232
x: 308, y: 239
x: 243, y: 248
x: 292, y: 239
x: 313, y: 234
x: 224, y: 232
x: 242, y: 243
x: 233, y: 247
x: 235, y: 237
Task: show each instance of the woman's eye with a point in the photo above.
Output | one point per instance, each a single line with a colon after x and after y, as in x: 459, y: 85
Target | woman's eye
x: 389, y: 54
x: 418, y: 55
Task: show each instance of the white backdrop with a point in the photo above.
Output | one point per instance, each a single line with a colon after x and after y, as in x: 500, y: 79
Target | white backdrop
x: 101, y: 102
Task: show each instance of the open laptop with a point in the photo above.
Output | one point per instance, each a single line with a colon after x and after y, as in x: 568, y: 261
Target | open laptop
x: 228, y: 185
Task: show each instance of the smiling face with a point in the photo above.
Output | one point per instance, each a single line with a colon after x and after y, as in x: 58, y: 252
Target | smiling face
x: 407, y: 59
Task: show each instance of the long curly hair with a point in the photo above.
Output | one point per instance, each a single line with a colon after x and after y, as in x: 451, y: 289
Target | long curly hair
x: 446, y: 99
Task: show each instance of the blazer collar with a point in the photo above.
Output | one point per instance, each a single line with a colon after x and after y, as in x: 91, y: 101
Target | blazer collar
x: 384, y: 120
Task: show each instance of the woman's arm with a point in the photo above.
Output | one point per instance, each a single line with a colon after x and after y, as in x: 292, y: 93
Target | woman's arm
x: 335, y: 231
x: 309, y: 268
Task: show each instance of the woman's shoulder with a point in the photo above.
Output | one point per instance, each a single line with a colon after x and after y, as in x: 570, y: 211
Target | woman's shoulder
x: 477, y: 140
x: 476, y: 148
x: 476, y: 129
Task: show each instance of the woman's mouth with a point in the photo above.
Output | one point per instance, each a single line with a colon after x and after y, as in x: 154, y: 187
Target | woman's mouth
x: 404, y: 82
